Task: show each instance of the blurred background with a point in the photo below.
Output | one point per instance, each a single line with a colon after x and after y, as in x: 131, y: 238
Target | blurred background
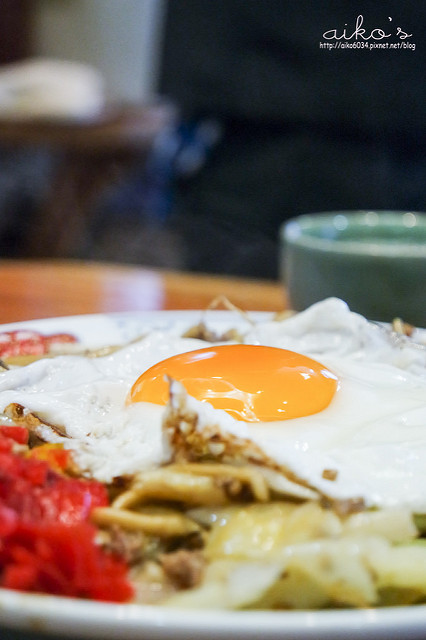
x: 182, y: 133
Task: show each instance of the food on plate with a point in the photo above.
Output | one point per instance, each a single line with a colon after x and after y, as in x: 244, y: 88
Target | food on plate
x: 19, y: 346
x: 250, y: 382
x: 278, y: 463
x: 45, y: 532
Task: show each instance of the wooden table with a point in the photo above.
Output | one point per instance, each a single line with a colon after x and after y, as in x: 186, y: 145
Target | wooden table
x: 50, y: 288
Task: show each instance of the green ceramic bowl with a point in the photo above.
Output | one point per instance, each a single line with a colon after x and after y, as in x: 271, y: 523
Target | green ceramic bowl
x: 374, y: 260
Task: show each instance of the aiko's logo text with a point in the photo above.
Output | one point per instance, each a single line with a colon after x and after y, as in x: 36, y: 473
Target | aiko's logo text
x: 358, y: 32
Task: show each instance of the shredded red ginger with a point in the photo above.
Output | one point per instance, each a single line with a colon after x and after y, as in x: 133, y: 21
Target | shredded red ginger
x: 47, y: 543
x: 30, y: 343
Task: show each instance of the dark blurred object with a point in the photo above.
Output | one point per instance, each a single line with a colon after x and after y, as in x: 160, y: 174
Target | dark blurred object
x: 304, y: 128
x: 24, y: 180
x: 22, y: 173
x: 15, y: 30
x: 83, y: 160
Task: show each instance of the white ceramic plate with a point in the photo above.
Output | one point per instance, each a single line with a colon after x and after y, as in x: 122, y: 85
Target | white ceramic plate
x: 65, y: 617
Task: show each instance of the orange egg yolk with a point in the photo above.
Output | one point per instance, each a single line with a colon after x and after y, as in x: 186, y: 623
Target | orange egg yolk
x: 250, y: 382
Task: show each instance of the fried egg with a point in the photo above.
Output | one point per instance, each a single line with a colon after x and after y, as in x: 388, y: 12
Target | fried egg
x: 86, y: 398
x: 326, y: 394
x: 250, y: 382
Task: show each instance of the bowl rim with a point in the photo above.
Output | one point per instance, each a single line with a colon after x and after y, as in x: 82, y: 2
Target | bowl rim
x: 293, y: 232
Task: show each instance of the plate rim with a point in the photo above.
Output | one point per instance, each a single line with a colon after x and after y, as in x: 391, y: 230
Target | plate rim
x: 31, y: 612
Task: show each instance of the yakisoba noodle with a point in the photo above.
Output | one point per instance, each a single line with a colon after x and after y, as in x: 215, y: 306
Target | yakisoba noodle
x: 225, y: 517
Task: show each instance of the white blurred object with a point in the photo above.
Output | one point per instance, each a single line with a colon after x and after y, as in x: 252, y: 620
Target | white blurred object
x: 121, y: 38
x: 50, y: 89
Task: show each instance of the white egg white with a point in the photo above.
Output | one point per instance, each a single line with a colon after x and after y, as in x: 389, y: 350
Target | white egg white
x: 86, y: 397
x: 372, y: 436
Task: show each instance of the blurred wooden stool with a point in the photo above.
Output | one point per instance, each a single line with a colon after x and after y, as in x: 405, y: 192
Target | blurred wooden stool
x: 89, y: 155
